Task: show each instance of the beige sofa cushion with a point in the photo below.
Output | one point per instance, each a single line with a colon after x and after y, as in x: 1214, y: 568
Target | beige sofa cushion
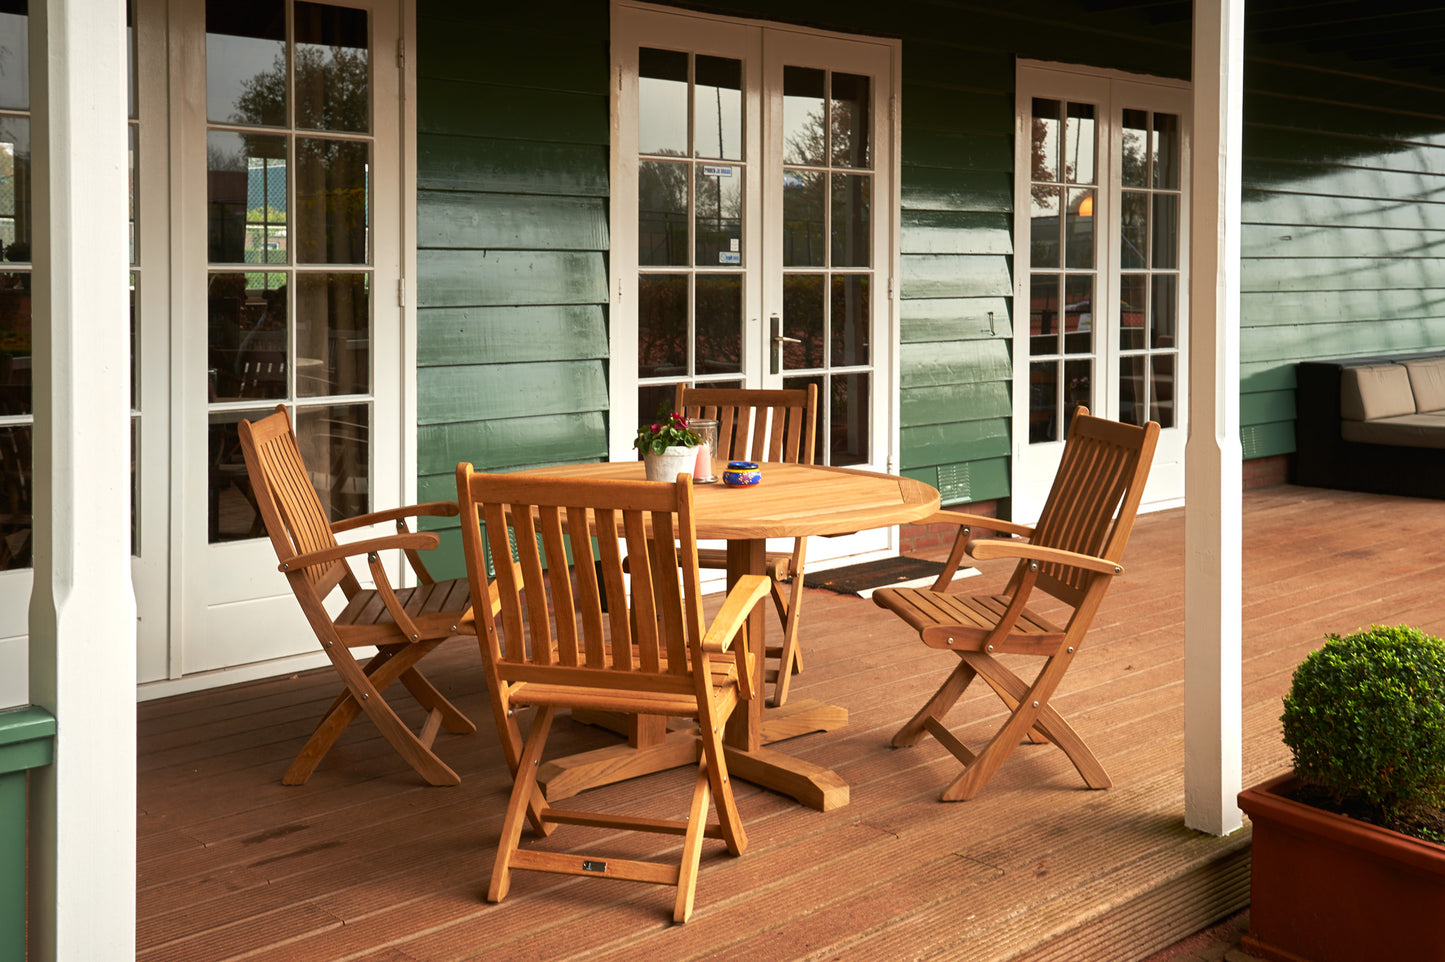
x: 1427, y: 381
x: 1407, y: 430
x: 1375, y: 391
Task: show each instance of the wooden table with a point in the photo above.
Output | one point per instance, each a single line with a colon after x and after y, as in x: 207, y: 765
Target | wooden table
x: 792, y: 501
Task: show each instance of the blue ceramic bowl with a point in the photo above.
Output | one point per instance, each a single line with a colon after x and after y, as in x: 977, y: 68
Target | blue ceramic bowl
x: 741, y: 474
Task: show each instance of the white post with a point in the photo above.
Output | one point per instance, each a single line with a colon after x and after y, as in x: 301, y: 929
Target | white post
x: 1213, y: 457
x: 82, y: 610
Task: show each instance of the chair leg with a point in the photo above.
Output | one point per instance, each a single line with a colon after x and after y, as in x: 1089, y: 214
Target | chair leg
x: 523, y: 788
x: 429, y: 698
x: 510, y: 736
x: 692, y: 846
x: 790, y: 659
x: 389, y: 663
x: 936, y: 707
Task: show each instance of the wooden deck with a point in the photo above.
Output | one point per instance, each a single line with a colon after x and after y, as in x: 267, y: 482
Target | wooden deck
x: 366, y: 862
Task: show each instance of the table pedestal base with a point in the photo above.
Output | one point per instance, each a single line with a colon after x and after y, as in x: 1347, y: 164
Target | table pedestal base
x: 815, y: 787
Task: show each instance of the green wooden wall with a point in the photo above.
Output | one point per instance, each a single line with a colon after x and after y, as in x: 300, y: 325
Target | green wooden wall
x: 1342, y: 229
x: 1343, y: 224
x: 512, y: 176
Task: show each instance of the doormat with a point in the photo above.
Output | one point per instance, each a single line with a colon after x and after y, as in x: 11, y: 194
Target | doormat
x: 863, y: 579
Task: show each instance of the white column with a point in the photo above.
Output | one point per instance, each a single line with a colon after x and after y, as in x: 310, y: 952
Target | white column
x: 1213, y: 480
x: 82, y: 611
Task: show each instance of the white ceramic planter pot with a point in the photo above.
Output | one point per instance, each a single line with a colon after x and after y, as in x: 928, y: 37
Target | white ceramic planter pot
x: 670, y: 463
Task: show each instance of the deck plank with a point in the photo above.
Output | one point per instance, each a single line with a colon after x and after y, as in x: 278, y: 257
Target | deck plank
x: 366, y: 862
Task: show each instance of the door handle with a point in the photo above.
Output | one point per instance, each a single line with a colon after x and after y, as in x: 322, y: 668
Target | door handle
x: 779, y: 339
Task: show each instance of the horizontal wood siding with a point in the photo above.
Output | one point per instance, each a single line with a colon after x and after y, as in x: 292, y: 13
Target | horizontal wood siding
x: 1343, y: 233
x: 1343, y: 226
x: 957, y: 219
x: 512, y: 236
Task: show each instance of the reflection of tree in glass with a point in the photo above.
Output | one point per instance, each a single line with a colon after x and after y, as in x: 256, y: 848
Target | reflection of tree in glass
x: 662, y: 211
x: 333, y: 86
x: 333, y: 93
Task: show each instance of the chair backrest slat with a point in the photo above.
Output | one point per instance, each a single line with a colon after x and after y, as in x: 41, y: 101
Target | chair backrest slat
x: 289, y: 506
x: 757, y: 425
x: 1095, y: 497
x: 650, y: 631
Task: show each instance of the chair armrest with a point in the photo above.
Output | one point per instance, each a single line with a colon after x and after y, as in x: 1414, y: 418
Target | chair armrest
x: 739, y: 603
x: 964, y: 519
x: 441, y: 509
x: 966, y: 523
x: 987, y: 548
x: 424, y: 541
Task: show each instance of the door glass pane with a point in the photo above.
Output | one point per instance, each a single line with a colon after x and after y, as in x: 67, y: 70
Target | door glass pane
x: 849, y: 316
x: 1044, y: 226
x: 662, y: 102
x: 1135, y: 146
x: 803, y: 319
x: 1161, y: 408
x: 15, y: 212
x: 1166, y: 151
x: 1133, y: 389
x: 662, y: 213
x: 1133, y: 309
x: 852, y: 120
x: 231, y: 507
x: 719, y: 215
x: 1078, y: 313
x: 1044, y: 150
x: 1164, y: 317
x: 1079, y: 146
x: 333, y: 441
x: 245, y: 198
x: 848, y: 414
x: 1166, y: 231
x: 1078, y: 384
x: 134, y: 486
x: 332, y: 210
x: 1044, y: 300
x: 1043, y: 401
x: 333, y: 334
x: 803, y: 218
x: 246, y: 336
x: 1134, y: 230
x: 246, y: 62
x: 662, y: 325
x: 804, y: 117
x: 1079, y: 230
x: 15, y: 41
x: 16, y: 345
x: 333, y: 68
x: 852, y: 237
x: 17, y: 497
x: 719, y: 347
x: 718, y: 110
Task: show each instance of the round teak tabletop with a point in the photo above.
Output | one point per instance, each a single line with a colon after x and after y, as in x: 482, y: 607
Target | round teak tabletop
x: 791, y: 501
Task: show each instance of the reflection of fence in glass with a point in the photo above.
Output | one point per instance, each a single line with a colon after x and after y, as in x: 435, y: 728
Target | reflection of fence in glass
x: 7, y: 193
x: 265, y: 241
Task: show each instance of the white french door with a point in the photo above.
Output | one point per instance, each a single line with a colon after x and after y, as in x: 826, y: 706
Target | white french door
x: 1101, y: 263
x: 754, y: 225
x: 288, y: 186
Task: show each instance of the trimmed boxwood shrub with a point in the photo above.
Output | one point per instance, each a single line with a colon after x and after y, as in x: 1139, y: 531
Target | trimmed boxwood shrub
x: 1365, y: 719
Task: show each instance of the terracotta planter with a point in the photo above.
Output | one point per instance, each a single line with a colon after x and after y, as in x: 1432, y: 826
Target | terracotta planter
x: 1327, y: 888
x: 670, y: 463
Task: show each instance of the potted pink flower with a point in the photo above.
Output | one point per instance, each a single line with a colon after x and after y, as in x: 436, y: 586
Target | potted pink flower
x: 667, y: 446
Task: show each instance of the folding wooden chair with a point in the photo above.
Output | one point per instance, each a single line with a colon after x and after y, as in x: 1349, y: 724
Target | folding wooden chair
x: 764, y: 426
x: 405, y: 624
x: 651, y: 656
x: 1072, y: 554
